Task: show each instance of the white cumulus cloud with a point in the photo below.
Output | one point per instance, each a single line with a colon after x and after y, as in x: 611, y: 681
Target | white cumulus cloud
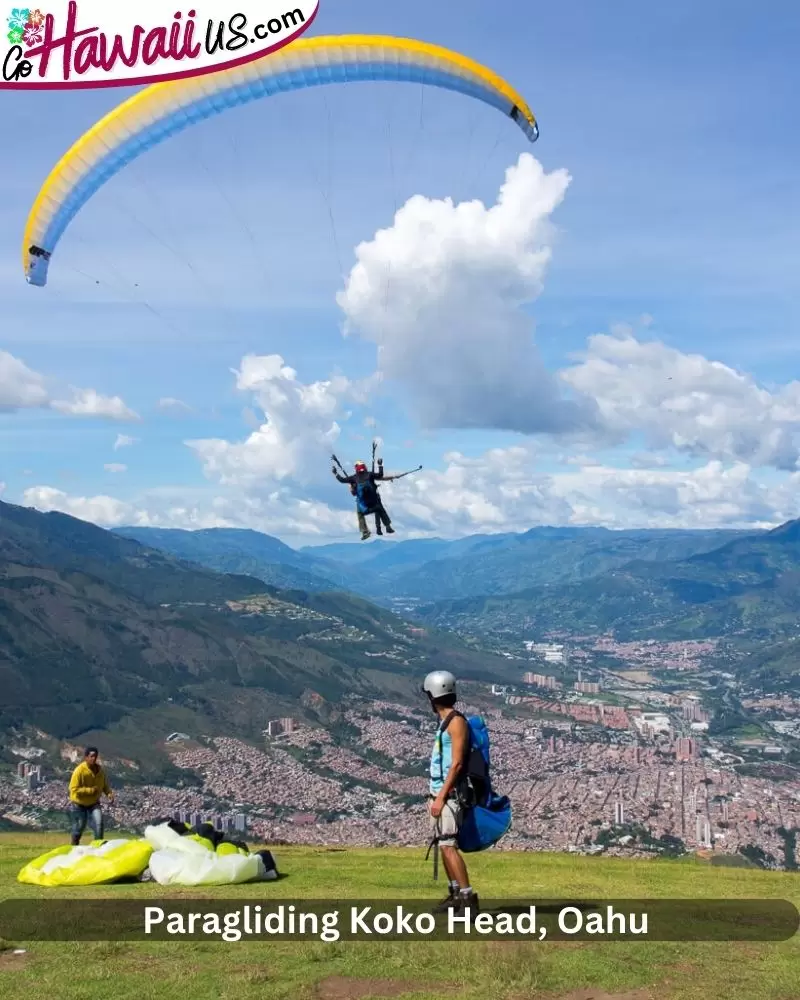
x: 88, y: 403
x: 441, y: 292
x: 23, y: 388
x: 175, y: 406
x: 101, y: 510
x: 502, y: 490
x: 499, y: 491
x: 687, y: 402
x: 278, y: 513
x: 19, y: 386
x: 115, y: 467
x: 299, y: 428
x: 123, y: 441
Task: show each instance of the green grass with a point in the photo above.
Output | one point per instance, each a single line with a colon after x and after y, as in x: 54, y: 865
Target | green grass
x: 422, y: 970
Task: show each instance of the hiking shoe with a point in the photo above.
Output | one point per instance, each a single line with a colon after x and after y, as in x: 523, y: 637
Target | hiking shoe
x: 472, y: 902
x: 390, y: 530
x: 450, y: 902
x: 463, y: 903
x: 365, y: 535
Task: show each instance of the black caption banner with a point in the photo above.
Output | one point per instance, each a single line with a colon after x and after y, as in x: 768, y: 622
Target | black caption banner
x: 398, y: 920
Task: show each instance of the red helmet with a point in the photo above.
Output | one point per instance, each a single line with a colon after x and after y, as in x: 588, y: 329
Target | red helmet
x: 360, y: 467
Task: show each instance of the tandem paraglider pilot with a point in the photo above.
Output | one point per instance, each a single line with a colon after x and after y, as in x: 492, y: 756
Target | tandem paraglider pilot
x: 87, y: 785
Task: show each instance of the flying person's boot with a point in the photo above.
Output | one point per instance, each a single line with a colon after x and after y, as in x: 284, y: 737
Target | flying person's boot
x: 362, y: 525
x: 383, y: 517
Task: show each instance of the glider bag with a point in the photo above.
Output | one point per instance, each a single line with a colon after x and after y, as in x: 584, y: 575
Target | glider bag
x: 484, y: 825
x: 97, y: 863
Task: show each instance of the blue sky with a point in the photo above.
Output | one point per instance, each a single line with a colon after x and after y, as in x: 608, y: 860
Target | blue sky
x: 676, y: 126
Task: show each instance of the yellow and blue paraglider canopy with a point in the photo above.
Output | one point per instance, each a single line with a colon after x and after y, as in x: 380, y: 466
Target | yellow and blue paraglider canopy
x: 165, y: 109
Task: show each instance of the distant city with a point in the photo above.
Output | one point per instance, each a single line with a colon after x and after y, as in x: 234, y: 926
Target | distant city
x: 603, y: 747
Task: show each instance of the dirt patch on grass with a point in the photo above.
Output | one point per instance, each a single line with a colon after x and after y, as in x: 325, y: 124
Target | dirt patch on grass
x: 345, y: 988
x: 593, y: 994
x: 9, y: 962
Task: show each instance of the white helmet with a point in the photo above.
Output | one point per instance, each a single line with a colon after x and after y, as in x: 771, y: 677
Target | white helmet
x: 439, y: 683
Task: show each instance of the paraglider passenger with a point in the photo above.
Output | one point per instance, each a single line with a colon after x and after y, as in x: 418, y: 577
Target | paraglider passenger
x: 87, y: 784
x: 448, y: 758
x: 363, y: 486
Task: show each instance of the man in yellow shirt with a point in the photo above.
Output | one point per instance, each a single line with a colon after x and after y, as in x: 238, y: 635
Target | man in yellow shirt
x: 87, y: 784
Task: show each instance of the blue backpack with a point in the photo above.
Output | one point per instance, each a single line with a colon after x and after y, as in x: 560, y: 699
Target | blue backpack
x: 366, y: 496
x: 486, y: 815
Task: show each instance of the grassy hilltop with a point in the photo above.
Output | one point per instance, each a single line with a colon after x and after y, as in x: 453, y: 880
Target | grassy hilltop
x: 420, y: 970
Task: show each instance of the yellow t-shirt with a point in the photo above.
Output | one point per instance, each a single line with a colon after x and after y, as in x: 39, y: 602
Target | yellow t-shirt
x: 86, y: 786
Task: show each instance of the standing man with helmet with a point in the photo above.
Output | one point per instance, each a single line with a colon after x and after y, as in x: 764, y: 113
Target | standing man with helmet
x: 448, y: 764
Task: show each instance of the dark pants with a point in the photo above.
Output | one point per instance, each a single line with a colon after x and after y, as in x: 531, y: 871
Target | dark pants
x: 80, y: 816
x: 381, y: 518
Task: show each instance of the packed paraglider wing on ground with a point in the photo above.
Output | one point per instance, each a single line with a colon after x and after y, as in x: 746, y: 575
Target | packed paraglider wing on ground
x: 169, y: 853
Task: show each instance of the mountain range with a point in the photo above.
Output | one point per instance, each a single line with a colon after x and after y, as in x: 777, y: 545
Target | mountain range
x: 431, y: 569
x: 101, y: 633
x: 138, y: 631
x: 748, y: 586
x: 656, y: 583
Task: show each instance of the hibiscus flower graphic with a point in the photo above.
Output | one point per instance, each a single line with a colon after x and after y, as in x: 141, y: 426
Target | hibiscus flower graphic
x: 19, y: 18
x: 15, y: 36
x: 33, y: 35
x: 36, y: 19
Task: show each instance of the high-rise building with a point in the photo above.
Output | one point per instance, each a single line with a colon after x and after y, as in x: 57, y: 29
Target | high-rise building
x: 693, y: 712
x: 619, y: 814
x: 240, y: 823
x: 540, y: 680
x: 685, y: 748
x: 22, y: 769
